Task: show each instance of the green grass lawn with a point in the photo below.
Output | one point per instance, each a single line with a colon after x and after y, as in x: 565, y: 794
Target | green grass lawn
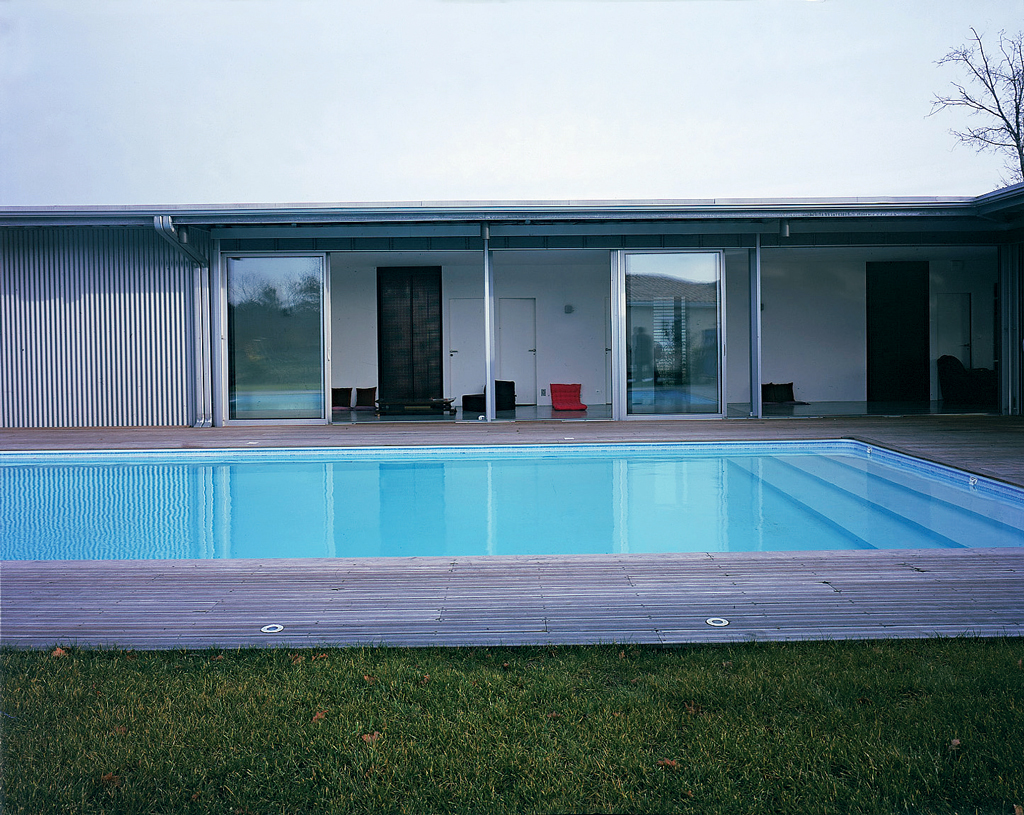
x: 914, y: 726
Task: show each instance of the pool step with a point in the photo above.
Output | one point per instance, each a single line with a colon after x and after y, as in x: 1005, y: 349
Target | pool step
x: 957, y: 513
x: 873, y: 525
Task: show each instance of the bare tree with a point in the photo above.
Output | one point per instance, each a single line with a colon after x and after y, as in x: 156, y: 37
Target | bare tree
x: 994, y: 88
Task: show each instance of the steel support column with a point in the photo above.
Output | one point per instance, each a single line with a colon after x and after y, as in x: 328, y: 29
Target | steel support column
x: 754, y: 258
x: 1011, y: 318
x: 488, y: 326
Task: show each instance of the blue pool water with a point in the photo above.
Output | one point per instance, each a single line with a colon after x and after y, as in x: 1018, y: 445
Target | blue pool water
x: 521, y: 500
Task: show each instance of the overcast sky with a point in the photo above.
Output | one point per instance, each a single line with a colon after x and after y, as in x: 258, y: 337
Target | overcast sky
x: 275, y: 101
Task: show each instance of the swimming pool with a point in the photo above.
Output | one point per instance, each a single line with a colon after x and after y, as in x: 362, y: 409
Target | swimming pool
x: 507, y: 500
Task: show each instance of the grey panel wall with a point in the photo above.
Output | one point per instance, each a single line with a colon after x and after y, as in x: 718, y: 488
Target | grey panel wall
x: 96, y: 329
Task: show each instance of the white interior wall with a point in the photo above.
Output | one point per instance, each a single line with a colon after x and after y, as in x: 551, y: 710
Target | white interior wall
x: 570, y: 347
x: 813, y: 322
x: 813, y: 319
x: 353, y: 323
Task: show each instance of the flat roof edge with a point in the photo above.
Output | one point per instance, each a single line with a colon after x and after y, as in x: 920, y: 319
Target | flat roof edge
x: 657, y: 209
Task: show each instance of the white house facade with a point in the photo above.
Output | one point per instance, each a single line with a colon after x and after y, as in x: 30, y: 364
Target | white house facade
x: 217, y: 315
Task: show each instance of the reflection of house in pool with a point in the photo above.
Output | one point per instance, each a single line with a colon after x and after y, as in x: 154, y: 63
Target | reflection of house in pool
x: 224, y: 314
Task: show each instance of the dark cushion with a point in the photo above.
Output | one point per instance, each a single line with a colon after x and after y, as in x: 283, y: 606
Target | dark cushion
x: 473, y: 403
x: 366, y: 398
x: 504, y: 394
x: 341, y: 398
x: 777, y: 392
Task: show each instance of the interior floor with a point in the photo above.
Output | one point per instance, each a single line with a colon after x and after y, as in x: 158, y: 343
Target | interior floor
x: 522, y: 413
x: 737, y: 410
x: 814, y: 409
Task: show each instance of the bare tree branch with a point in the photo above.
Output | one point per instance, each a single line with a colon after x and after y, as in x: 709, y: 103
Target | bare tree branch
x: 994, y: 89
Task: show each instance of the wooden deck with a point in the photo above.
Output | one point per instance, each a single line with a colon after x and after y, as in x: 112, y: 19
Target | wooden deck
x: 660, y: 599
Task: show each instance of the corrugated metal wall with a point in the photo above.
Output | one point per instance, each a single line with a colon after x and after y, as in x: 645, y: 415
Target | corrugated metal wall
x: 96, y: 329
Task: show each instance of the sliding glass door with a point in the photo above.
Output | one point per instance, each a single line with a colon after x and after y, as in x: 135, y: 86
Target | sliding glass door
x: 673, y: 333
x: 275, y: 338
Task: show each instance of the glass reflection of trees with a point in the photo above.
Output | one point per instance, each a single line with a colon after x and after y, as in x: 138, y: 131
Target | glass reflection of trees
x: 274, y: 331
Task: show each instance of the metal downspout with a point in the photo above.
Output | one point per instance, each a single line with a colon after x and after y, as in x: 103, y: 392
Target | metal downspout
x: 178, y: 238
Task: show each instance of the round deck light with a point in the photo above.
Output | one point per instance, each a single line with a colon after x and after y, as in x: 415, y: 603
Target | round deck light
x: 718, y: 622
x: 273, y: 628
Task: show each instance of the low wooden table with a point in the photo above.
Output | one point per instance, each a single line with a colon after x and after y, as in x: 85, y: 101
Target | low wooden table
x: 397, y: 406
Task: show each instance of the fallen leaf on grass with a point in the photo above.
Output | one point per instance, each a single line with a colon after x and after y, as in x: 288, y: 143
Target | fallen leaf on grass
x: 58, y: 652
x: 111, y: 780
x: 296, y: 658
x: 954, y: 744
x: 554, y: 715
x: 667, y: 763
x: 319, y: 715
x: 318, y: 656
x: 425, y: 679
x: 693, y: 709
x: 370, y: 679
x: 370, y: 738
x: 120, y: 730
x: 622, y: 654
x: 727, y: 664
x: 129, y: 655
x: 195, y: 796
x: 217, y: 658
x: 1018, y: 809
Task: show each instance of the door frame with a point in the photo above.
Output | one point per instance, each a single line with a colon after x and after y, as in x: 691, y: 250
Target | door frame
x: 220, y: 332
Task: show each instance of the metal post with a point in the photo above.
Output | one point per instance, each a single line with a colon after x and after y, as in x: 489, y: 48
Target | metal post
x: 204, y: 373
x: 1011, y: 318
x: 218, y: 332
x: 754, y: 255
x: 488, y: 326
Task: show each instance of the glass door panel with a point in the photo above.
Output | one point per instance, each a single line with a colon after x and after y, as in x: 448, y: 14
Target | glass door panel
x: 673, y: 333
x: 275, y: 338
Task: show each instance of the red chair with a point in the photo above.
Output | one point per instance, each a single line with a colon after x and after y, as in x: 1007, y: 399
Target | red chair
x: 566, y: 397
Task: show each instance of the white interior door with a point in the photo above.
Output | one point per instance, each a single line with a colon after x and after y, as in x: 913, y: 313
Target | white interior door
x: 465, y: 346
x: 517, y: 346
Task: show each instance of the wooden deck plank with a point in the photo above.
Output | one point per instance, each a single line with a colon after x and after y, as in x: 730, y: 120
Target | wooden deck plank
x: 663, y: 599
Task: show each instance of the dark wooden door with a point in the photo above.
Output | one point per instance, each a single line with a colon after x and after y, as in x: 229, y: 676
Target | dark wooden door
x: 409, y: 351
x: 897, y: 332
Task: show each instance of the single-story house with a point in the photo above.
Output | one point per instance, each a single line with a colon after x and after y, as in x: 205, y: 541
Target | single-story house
x: 217, y: 315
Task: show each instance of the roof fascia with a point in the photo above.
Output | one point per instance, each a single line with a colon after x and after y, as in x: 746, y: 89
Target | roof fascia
x: 753, y: 215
